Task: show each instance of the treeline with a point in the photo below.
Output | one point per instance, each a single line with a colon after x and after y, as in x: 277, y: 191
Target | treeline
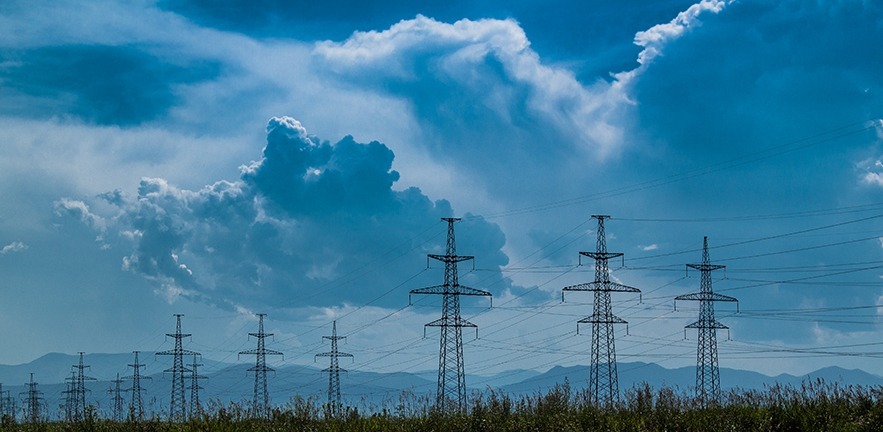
x: 814, y: 406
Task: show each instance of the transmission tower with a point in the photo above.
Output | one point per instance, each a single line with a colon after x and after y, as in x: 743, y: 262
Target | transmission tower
x: 78, y: 391
x: 177, y: 408
x: 195, y: 407
x: 69, y: 396
x: 116, y: 399
x: 451, y: 394
x: 33, y: 402
x: 136, y: 408
x: 7, y: 403
x: 707, y: 372
x: 603, y: 378
x: 334, y: 370
x: 261, y: 401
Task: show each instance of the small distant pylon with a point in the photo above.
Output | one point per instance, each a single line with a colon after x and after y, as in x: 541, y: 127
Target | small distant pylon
x: 261, y: 400
x: 33, y: 402
x: 69, y: 396
x: 7, y: 403
x: 78, y: 390
x: 707, y: 372
x: 136, y: 407
x: 116, y: 399
x: 177, y: 407
x: 603, y: 377
x: 195, y: 406
x: 451, y: 392
x: 334, y: 404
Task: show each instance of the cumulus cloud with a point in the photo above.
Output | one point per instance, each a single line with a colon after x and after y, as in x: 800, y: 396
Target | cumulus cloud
x: 488, y: 67
x: 311, y: 222
x: 16, y: 246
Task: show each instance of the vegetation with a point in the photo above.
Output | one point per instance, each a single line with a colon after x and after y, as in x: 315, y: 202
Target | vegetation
x: 813, y: 406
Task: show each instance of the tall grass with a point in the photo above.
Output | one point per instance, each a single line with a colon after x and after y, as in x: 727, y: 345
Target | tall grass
x: 813, y: 406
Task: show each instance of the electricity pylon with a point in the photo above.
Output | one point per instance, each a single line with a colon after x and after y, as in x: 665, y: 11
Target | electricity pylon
x: 195, y: 407
x: 7, y: 403
x: 451, y: 393
x: 69, y: 396
x: 33, y: 402
x: 116, y: 399
x: 261, y: 401
x: 136, y: 408
x: 603, y: 378
x: 707, y: 372
x: 78, y: 391
x: 177, y: 408
x: 334, y: 370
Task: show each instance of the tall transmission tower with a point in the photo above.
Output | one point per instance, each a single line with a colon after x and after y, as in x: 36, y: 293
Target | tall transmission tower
x: 116, y: 399
x: 707, y: 372
x: 177, y: 408
x: 136, y: 407
x: 33, y: 402
x: 78, y: 390
x: 451, y: 393
x: 334, y: 370
x: 603, y: 378
x: 195, y: 407
x: 261, y: 401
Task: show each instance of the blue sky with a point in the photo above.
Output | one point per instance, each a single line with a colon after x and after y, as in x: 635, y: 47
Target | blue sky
x: 294, y: 159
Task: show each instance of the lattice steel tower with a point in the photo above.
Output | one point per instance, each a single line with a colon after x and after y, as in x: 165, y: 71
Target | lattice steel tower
x: 116, y: 399
x: 334, y: 370
x: 451, y: 394
x: 603, y: 378
x: 177, y: 407
x: 33, y: 402
x: 195, y: 407
x: 707, y: 372
x: 7, y: 403
x: 136, y: 408
x: 261, y: 401
x: 78, y: 391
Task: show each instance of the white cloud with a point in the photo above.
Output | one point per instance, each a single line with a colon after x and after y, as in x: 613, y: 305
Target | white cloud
x: 13, y: 247
x: 655, y: 38
x: 651, y: 247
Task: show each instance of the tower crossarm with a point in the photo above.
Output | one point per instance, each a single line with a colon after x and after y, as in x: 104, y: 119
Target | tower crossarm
x: 601, y: 255
x: 715, y: 324
x: 450, y: 258
x: 334, y: 354
x: 451, y: 289
x: 601, y: 286
x: 706, y: 296
x: 600, y: 319
x: 450, y: 322
x: 264, y: 351
x: 706, y: 267
x: 182, y: 352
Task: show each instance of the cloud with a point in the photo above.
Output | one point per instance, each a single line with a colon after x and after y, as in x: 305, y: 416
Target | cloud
x: 120, y: 85
x: 310, y: 223
x: 13, y: 247
x: 651, y: 247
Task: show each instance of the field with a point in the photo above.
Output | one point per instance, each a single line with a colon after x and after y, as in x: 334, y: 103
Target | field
x: 813, y: 406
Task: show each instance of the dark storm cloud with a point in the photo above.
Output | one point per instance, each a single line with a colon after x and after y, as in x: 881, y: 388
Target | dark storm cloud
x: 291, y: 231
x: 106, y: 85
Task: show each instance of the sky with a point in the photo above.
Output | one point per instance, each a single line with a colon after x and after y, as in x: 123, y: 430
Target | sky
x: 295, y: 159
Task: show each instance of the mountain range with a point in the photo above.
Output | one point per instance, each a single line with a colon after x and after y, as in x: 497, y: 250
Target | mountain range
x: 369, y: 391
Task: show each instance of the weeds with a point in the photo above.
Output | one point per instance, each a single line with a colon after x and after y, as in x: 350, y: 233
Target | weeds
x: 815, y: 405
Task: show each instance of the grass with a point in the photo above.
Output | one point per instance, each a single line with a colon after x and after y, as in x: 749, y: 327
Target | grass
x: 814, y: 406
